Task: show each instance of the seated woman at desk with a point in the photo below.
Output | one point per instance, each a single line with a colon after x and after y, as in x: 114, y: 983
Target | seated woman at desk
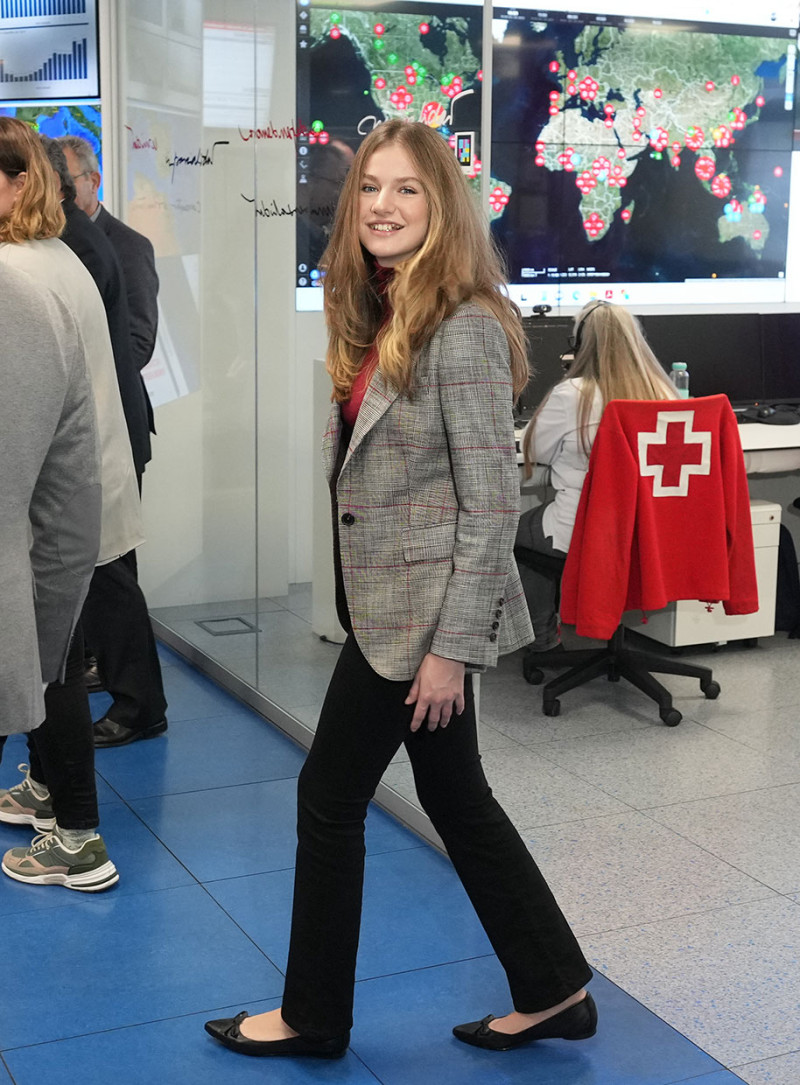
x: 611, y: 361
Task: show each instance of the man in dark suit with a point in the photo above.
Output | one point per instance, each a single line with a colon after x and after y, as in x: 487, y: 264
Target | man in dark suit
x: 96, y: 252
x: 115, y: 617
x: 133, y: 249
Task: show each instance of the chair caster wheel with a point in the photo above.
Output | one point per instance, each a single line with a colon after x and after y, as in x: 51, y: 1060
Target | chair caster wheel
x: 671, y: 717
x: 531, y: 672
x: 711, y: 690
x: 552, y: 708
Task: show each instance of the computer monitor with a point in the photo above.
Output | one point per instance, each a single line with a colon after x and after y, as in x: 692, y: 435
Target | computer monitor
x: 547, y: 342
x: 780, y: 353
x: 722, y: 351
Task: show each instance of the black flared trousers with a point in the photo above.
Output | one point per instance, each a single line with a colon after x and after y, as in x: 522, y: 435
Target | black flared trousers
x: 362, y: 724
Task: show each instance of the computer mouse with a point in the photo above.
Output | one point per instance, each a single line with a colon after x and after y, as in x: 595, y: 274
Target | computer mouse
x: 782, y: 418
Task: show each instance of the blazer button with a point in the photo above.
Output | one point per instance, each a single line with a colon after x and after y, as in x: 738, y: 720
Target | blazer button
x: 498, y: 614
x: 492, y: 636
x: 348, y: 518
x: 500, y: 602
x: 495, y: 625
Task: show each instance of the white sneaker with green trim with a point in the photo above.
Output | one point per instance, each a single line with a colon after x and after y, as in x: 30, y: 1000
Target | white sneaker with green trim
x: 21, y: 805
x: 49, y: 862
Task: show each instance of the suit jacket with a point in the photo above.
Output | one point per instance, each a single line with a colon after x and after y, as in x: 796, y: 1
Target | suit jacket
x: 49, y: 489
x: 98, y: 256
x: 427, y: 501
x: 141, y: 283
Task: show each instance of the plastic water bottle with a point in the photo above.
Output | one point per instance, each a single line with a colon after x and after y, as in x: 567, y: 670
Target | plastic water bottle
x: 680, y: 378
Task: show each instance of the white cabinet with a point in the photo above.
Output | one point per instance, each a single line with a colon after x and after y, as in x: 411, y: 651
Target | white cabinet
x: 691, y: 622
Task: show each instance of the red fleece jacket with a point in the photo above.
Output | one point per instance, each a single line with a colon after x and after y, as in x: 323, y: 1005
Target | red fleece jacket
x: 664, y: 515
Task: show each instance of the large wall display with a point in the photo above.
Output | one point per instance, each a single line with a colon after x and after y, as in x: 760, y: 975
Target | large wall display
x: 48, y: 50
x: 645, y: 158
x: 359, y: 65
x: 641, y: 151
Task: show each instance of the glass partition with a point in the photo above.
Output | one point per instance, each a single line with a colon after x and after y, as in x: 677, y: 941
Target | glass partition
x: 210, y: 161
x: 294, y: 665
x: 185, y: 168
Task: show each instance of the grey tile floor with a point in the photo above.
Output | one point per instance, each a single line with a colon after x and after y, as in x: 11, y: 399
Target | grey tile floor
x: 675, y: 852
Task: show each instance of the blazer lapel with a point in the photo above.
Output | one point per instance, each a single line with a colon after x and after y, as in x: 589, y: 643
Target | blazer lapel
x: 377, y: 400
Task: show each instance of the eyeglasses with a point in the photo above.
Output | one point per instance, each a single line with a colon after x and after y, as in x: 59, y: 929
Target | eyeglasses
x: 84, y: 173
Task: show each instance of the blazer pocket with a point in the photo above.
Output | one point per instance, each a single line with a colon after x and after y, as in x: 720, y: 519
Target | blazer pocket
x: 429, y: 543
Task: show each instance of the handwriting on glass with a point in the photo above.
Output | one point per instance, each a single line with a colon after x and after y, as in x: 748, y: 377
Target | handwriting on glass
x: 271, y: 209
x: 368, y: 123
x: 143, y: 143
x: 201, y: 158
x: 286, y: 131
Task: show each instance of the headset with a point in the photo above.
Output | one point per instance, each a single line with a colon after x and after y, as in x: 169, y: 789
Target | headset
x: 575, y: 340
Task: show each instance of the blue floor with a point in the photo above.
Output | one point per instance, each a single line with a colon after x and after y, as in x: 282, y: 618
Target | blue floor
x: 115, y: 988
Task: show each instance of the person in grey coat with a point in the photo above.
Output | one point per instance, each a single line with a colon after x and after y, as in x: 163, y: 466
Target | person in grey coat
x: 49, y: 488
x: 59, y: 795
x: 426, y: 354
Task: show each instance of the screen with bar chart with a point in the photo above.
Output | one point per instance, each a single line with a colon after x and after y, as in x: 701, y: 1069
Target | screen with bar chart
x: 48, y: 50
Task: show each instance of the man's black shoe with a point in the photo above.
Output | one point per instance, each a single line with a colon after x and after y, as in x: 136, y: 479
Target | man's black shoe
x: 109, y: 733
x: 91, y: 676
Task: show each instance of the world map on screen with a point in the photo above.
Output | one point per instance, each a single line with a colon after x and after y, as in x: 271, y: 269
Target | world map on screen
x: 357, y: 69
x: 416, y: 65
x: 659, y: 152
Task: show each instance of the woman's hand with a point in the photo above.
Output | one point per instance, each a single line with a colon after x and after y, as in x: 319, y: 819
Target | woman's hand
x: 438, y: 690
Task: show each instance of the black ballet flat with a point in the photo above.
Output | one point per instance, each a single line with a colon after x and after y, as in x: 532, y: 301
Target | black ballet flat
x: 226, y: 1030
x: 577, y: 1022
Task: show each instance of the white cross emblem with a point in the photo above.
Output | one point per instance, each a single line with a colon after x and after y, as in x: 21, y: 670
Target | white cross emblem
x: 659, y: 437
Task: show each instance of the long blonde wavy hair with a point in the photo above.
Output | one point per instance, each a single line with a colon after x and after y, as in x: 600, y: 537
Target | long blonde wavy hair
x: 37, y: 213
x: 456, y: 262
x: 612, y: 357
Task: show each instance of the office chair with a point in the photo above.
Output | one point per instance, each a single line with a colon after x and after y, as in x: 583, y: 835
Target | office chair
x: 616, y: 660
x: 664, y: 515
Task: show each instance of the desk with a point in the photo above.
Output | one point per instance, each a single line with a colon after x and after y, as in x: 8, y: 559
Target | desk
x: 770, y: 449
x: 756, y: 437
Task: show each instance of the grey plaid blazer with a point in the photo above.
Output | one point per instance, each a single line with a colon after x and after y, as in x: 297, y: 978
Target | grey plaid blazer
x: 427, y: 501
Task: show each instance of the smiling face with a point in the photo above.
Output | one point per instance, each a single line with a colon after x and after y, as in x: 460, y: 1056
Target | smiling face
x: 393, y: 207
x: 10, y: 188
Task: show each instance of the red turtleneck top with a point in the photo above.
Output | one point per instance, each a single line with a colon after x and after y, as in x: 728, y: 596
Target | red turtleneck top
x: 352, y: 406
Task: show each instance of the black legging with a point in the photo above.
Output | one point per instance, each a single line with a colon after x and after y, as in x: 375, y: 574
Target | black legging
x: 61, y: 750
x: 362, y: 724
